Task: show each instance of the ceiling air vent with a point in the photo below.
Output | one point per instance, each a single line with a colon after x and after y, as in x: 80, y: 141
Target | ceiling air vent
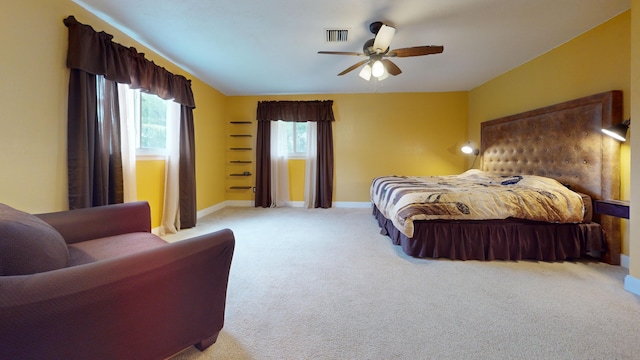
x: 336, y: 35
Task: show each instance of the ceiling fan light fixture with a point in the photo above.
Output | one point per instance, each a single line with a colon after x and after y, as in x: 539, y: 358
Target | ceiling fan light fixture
x: 377, y: 69
x: 365, y: 73
x: 385, y: 74
x: 377, y: 50
x: 383, y: 39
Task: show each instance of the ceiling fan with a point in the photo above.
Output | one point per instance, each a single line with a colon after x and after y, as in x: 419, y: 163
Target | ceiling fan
x: 377, y: 49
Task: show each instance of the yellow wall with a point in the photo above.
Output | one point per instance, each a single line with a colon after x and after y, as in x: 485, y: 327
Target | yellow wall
x: 33, y: 99
x: 597, y: 61
x: 296, y: 179
x: 634, y: 233
x: 149, y: 188
x: 210, y: 134
x: 382, y: 134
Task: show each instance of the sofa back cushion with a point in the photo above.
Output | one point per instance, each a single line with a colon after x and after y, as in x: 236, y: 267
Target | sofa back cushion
x: 28, y: 245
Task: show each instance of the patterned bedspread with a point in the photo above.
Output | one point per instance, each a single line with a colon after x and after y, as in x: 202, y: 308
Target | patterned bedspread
x: 474, y: 195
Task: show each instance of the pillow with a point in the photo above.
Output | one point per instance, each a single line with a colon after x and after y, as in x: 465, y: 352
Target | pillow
x: 28, y: 245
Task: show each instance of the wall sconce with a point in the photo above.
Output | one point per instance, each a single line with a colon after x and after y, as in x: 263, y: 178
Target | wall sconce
x: 619, y: 131
x: 470, y: 149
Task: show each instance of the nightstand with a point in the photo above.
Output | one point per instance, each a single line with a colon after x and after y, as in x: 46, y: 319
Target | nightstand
x: 617, y: 208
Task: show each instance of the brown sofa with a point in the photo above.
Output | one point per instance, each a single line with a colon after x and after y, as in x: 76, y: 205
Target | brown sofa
x: 97, y: 284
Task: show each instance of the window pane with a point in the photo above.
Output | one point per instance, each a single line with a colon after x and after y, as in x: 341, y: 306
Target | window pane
x: 301, y: 137
x: 153, y: 123
x: 288, y: 128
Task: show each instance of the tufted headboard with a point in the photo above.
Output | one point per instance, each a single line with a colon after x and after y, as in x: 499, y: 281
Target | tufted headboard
x: 564, y: 142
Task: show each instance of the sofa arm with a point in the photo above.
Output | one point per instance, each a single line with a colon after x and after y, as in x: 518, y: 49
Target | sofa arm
x: 100, y: 221
x: 148, y: 305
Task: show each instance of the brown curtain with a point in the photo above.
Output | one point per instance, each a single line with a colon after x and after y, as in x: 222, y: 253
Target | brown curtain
x: 297, y: 111
x: 187, y: 172
x: 263, y: 164
x: 95, y: 162
x: 324, y: 183
x: 92, y: 53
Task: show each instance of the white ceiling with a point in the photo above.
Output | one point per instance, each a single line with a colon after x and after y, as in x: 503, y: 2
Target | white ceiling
x: 253, y: 47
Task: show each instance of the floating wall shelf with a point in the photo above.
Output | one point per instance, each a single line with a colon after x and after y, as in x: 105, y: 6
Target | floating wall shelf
x: 240, y: 155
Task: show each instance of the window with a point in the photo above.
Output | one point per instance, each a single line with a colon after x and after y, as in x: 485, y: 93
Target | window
x: 151, y: 124
x: 296, y: 138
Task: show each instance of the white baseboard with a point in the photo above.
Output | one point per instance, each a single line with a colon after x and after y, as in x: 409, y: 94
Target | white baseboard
x: 211, y: 209
x: 624, y: 261
x: 239, y: 203
x: 222, y: 205
x: 632, y: 284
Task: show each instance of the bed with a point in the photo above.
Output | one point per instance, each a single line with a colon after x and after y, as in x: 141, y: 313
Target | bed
x: 562, y: 143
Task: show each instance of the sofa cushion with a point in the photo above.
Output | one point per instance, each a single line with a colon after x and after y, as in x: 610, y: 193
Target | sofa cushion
x: 28, y: 245
x: 112, y: 246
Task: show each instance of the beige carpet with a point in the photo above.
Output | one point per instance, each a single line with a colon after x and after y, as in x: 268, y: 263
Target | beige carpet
x: 323, y: 284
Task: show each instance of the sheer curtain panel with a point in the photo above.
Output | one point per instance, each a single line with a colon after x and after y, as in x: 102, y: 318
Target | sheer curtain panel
x: 126, y: 97
x: 171, y: 211
x: 311, y: 165
x: 279, y: 165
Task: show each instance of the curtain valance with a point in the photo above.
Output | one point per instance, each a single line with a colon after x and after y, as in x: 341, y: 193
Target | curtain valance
x: 95, y: 53
x: 298, y: 111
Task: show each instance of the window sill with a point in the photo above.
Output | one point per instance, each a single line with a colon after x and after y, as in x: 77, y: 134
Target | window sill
x: 150, y: 157
x: 296, y: 157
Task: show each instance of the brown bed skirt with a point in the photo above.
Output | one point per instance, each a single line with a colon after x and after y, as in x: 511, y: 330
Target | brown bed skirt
x: 509, y: 239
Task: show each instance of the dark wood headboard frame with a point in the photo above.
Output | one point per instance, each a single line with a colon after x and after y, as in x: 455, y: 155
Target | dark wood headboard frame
x: 563, y: 142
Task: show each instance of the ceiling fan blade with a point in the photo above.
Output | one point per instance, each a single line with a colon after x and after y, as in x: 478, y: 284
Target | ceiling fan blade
x: 392, y: 68
x: 353, y: 67
x: 341, y: 53
x: 383, y: 39
x: 416, y: 51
